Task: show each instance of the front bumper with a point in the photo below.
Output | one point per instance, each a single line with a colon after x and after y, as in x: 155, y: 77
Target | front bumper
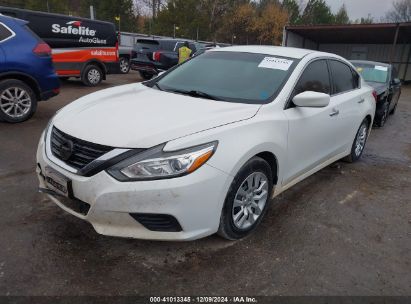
x: 194, y: 200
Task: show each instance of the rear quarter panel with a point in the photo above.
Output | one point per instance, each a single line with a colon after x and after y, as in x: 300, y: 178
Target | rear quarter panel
x: 19, y: 57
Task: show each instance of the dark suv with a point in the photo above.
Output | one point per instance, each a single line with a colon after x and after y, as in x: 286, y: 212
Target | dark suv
x: 151, y: 56
x: 383, y: 78
x: 27, y: 74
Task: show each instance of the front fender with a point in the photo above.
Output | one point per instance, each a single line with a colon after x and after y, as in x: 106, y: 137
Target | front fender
x: 240, y: 141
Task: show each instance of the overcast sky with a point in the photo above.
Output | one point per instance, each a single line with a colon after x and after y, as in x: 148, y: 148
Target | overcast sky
x: 361, y: 8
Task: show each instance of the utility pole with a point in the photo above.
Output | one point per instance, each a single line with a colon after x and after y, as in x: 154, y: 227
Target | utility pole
x: 197, y: 33
x: 174, y: 32
x: 48, y: 7
x: 92, y: 12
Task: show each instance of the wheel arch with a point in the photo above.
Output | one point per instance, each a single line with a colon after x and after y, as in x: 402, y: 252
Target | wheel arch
x: 369, y: 119
x: 27, y: 79
x: 128, y: 56
x: 271, y: 159
x: 96, y: 62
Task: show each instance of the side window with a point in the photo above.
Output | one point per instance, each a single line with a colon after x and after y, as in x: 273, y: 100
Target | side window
x: 356, y: 78
x: 192, y: 47
x: 394, y: 73
x: 4, y: 32
x: 343, y: 78
x: 314, y: 78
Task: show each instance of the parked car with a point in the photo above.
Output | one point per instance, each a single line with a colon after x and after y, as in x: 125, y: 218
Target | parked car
x: 81, y: 48
x: 198, y: 151
x: 151, y: 56
x: 125, y: 48
x: 27, y: 74
x: 383, y: 78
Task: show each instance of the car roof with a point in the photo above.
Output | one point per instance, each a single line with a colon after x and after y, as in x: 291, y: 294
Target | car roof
x: 290, y: 52
x: 370, y: 62
x: 5, y: 19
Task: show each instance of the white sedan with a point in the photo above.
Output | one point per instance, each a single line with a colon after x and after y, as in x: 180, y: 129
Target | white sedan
x: 203, y: 147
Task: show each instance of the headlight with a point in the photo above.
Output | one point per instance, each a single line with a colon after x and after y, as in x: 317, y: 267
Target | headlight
x: 157, y: 164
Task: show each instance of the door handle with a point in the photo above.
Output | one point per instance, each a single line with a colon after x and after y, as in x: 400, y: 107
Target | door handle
x: 361, y: 100
x: 335, y: 112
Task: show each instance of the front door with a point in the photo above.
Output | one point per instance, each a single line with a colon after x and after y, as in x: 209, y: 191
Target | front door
x: 311, y: 130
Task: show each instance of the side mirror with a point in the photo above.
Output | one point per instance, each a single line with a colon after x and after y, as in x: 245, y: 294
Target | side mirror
x: 396, y: 81
x: 312, y: 99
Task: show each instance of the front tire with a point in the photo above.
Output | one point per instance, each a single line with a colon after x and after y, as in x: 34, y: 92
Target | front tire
x: 247, y: 200
x: 359, y: 142
x: 124, y: 65
x: 17, y: 101
x: 92, y: 75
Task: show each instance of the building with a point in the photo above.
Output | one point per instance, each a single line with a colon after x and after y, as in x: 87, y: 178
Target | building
x: 383, y: 42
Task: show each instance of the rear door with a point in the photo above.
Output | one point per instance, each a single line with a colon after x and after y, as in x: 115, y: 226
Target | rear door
x: 348, y: 102
x: 5, y: 34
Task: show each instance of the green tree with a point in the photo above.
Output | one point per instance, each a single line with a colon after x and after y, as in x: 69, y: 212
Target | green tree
x: 238, y: 25
x: 185, y: 16
x: 293, y: 11
x: 317, y: 12
x: 342, y: 16
x: 270, y: 23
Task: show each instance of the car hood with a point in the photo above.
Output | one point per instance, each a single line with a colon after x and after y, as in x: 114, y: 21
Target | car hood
x: 136, y: 116
x: 378, y: 87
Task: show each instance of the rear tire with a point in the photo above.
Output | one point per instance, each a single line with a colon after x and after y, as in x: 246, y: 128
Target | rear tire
x: 124, y: 65
x: 360, y: 140
x: 146, y: 75
x: 247, y: 200
x: 17, y: 101
x: 382, y: 115
x: 92, y: 75
x: 394, y: 109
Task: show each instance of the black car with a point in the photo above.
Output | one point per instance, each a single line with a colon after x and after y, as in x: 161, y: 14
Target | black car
x: 151, y: 56
x: 383, y: 78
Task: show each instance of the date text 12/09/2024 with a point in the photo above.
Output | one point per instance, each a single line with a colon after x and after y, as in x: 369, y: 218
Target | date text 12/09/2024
x: 203, y: 299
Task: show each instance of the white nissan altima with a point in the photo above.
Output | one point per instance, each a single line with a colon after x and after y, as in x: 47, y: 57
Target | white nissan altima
x: 203, y: 147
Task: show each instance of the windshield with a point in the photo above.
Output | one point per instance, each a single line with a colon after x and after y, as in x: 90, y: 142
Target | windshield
x: 372, y: 73
x: 230, y: 76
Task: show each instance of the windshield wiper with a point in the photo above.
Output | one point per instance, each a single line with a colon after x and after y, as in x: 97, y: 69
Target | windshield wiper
x: 196, y: 93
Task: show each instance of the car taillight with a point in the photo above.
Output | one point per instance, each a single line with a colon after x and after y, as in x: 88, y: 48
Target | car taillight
x: 42, y: 49
x: 156, y: 56
x: 375, y: 95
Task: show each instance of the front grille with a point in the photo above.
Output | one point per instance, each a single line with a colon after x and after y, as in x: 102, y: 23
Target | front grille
x: 81, y: 152
x: 158, y: 222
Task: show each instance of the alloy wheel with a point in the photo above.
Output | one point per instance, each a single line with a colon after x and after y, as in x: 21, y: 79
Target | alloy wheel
x: 250, y: 200
x: 361, y: 139
x: 15, y: 102
x: 124, y: 65
x: 93, y: 76
x: 385, y: 115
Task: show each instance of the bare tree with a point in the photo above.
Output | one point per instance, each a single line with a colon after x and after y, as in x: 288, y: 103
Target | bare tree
x: 152, y: 6
x: 401, y: 12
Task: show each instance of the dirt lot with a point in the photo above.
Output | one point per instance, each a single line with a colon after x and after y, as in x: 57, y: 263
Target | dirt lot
x: 344, y: 231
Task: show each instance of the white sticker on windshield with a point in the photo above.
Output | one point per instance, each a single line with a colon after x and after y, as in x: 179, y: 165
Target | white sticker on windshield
x: 275, y: 63
x: 381, y: 68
